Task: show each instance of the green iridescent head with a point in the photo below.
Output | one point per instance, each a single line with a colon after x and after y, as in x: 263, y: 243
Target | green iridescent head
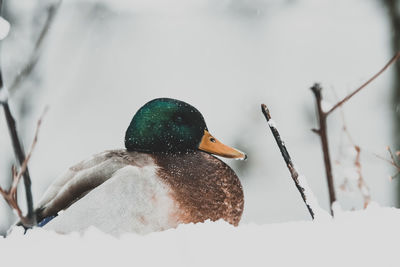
x: 165, y: 125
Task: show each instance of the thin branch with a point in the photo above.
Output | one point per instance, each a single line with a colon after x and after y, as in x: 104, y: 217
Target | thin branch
x: 18, y: 149
x: 391, y: 155
x: 361, y: 184
x: 286, y: 157
x: 17, y: 145
x: 20, y: 156
x: 341, y: 102
x: 392, y: 161
x: 322, y: 130
x: 323, y: 134
x: 10, y: 195
x: 34, y: 57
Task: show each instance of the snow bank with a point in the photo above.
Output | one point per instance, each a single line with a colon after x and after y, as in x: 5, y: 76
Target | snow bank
x: 3, y: 94
x: 4, y: 28
x: 361, y: 238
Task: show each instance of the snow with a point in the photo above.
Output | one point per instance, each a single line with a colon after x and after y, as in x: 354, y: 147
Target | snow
x: 4, y: 28
x: 3, y: 94
x: 312, y: 201
x: 326, y: 105
x: 272, y: 123
x: 360, y: 238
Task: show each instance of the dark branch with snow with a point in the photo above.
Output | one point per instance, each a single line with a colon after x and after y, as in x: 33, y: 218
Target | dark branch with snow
x: 287, y: 158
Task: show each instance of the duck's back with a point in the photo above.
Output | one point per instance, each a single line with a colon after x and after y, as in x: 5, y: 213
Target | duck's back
x: 120, y: 191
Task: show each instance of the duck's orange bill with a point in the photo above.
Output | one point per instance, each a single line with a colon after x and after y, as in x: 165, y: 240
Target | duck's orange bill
x: 211, y: 145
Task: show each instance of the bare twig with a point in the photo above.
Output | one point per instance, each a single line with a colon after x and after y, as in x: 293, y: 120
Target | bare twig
x: 10, y: 195
x: 26, y: 71
x: 391, y: 155
x: 20, y: 155
x: 286, y: 157
x: 17, y: 146
x: 361, y: 184
x: 36, y: 52
x: 18, y: 149
x: 322, y: 117
x: 341, y: 102
x: 392, y: 161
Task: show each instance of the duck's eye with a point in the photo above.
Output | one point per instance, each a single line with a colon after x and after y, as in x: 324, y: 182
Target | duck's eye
x: 212, y: 139
x: 178, y: 119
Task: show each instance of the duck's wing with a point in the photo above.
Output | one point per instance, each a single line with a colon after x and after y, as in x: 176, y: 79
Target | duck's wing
x: 83, y: 178
x: 134, y: 199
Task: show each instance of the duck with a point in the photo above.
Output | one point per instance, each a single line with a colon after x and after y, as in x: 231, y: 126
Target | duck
x: 167, y: 175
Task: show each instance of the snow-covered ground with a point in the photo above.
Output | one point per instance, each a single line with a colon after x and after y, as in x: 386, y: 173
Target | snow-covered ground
x: 361, y: 238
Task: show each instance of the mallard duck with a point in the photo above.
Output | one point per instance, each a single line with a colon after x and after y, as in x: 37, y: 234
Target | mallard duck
x: 166, y: 176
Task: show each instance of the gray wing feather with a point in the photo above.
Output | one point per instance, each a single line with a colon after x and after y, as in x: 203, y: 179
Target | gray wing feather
x: 78, y: 181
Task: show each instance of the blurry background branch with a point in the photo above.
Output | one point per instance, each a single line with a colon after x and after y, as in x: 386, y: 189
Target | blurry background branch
x: 37, y: 49
x: 393, y: 12
x: 393, y: 161
x: 361, y: 183
x: 18, y: 149
x: 11, y: 195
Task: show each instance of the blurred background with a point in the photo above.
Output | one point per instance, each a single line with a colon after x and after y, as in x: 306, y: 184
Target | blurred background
x: 95, y: 62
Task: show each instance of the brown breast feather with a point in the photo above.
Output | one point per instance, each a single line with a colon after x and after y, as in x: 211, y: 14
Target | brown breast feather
x: 203, y: 187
